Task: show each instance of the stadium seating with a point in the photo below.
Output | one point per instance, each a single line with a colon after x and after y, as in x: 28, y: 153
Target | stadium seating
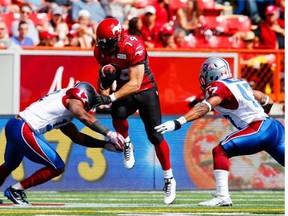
x: 225, y: 25
x: 206, y: 4
x: 238, y: 23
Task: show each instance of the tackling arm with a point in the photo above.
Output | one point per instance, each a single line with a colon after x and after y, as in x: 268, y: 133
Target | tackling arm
x: 76, y: 107
x: 198, y: 111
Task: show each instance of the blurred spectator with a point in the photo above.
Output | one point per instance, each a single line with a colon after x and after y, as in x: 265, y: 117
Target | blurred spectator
x: 134, y: 26
x: 281, y: 5
x: 150, y: 29
x: 33, y: 33
x: 23, y: 39
x: 166, y: 38
x: 271, y: 31
x: 83, y: 34
x: 5, y: 41
x: 118, y: 9
x: 4, y: 36
x: 163, y: 12
x: 59, y: 27
x: 253, y: 59
x: 7, y: 6
x: 47, y: 39
x: 188, y: 18
x: 250, y: 40
x: 64, y: 4
x: 248, y: 8
x: 94, y: 7
x: 182, y: 40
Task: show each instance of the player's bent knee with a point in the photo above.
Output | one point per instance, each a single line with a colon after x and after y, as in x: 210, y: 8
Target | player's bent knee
x: 59, y: 171
x: 155, y: 138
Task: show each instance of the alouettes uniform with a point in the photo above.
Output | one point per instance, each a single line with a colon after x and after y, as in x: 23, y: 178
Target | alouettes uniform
x: 49, y: 112
x: 246, y: 114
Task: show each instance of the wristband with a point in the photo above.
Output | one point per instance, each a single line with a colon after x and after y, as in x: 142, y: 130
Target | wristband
x: 182, y: 120
x: 112, y: 97
x: 178, y: 122
x: 98, y: 127
x: 208, y: 104
x: 177, y: 125
x: 266, y: 102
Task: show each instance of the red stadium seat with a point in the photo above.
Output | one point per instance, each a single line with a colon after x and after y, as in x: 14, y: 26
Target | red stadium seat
x: 176, y: 4
x: 215, y: 23
x: 39, y: 18
x: 238, y: 23
x: 206, y: 4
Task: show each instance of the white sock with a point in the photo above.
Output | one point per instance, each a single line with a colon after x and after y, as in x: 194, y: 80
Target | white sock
x: 127, y: 139
x: 18, y: 186
x: 168, y: 173
x: 221, y: 177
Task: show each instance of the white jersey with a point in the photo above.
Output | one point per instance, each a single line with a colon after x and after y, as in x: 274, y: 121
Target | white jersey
x: 47, y: 113
x: 238, y: 105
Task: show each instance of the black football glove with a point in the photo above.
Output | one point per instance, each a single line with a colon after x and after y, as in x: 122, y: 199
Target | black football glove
x: 101, y: 99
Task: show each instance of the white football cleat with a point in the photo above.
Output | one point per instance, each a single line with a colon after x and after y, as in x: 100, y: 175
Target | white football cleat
x: 169, y: 190
x: 129, y: 159
x: 218, y: 200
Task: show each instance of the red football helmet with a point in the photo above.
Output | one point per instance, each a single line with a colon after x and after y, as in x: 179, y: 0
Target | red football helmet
x: 109, y: 32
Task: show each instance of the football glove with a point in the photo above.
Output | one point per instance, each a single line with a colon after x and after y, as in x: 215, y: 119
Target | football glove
x: 101, y: 99
x: 170, y: 125
x: 116, y: 139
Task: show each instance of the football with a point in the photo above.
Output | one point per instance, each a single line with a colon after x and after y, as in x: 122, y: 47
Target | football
x: 107, y: 76
x: 108, y: 71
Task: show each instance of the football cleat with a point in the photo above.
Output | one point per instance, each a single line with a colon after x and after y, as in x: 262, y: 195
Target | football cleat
x: 129, y: 159
x: 16, y: 196
x: 218, y: 200
x: 169, y: 190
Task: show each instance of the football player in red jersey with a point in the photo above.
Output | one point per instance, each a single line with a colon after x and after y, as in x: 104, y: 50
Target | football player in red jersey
x: 54, y: 111
x: 136, y: 90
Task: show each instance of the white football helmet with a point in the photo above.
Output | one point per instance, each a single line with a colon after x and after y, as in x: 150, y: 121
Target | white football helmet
x: 214, y: 68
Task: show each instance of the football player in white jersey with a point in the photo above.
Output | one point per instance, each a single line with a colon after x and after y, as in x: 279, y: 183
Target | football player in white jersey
x: 246, y: 109
x: 53, y: 111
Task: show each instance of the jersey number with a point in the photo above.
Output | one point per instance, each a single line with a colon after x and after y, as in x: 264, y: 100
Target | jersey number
x: 246, y: 93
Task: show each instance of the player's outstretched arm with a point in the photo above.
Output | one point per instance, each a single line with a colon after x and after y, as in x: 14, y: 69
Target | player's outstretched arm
x: 198, y: 111
x: 76, y: 107
x: 77, y: 137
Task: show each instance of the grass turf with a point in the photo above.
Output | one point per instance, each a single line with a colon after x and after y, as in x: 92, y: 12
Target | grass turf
x: 143, y: 203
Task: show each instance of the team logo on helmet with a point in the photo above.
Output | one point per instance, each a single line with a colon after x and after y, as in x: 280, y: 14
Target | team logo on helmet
x: 117, y: 29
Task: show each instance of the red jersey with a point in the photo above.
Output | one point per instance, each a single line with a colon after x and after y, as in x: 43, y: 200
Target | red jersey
x: 132, y: 51
x: 267, y: 35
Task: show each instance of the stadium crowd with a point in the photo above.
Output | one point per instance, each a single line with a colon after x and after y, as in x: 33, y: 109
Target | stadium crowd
x: 161, y: 23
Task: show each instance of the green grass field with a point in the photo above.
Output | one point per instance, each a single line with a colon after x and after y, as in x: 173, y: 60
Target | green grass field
x: 143, y: 203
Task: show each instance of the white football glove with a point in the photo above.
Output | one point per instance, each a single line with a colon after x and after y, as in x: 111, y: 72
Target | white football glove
x: 165, y: 127
x: 116, y: 139
x: 170, y: 125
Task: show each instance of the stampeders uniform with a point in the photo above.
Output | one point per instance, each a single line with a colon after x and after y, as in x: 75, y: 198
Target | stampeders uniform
x: 257, y: 131
x: 132, y: 51
x: 24, y: 131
